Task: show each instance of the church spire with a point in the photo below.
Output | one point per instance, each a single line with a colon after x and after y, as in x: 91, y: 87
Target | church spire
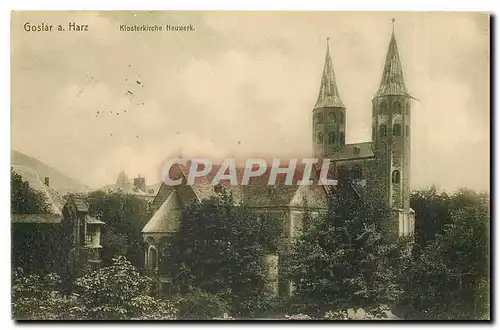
x: 329, y: 95
x: 392, y: 82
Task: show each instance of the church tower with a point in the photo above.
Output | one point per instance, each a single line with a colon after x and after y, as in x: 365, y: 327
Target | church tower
x: 328, y: 114
x: 391, y: 124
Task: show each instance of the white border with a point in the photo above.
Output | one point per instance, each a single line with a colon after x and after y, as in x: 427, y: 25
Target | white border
x: 352, y: 5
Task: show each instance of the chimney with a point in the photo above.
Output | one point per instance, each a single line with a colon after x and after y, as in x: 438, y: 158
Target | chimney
x: 47, y: 181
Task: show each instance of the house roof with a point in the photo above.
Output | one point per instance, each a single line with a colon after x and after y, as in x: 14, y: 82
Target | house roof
x: 53, y: 199
x: 353, y: 151
x: 80, y: 204
x: 92, y: 220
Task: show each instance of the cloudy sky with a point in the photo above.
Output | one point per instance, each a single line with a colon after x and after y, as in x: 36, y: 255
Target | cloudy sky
x: 242, y: 84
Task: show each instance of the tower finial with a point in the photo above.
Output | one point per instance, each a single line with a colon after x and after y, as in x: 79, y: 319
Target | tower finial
x: 393, y: 21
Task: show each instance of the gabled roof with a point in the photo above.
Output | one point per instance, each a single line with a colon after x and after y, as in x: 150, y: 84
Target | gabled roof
x: 392, y: 82
x: 80, y: 204
x: 329, y: 95
x: 52, y: 198
x: 166, y: 218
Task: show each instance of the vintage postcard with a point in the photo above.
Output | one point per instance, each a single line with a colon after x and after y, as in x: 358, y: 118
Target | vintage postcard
x: 203, y: 165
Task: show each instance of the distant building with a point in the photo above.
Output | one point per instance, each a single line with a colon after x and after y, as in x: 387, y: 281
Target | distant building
x: 66, y: 241
x: 136, y: 187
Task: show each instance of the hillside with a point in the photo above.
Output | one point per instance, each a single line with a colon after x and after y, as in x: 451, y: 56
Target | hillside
x: 58, y: 181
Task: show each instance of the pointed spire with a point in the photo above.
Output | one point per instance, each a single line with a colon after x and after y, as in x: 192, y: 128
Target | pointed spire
x: 329, y: 95
x: 392, y: 82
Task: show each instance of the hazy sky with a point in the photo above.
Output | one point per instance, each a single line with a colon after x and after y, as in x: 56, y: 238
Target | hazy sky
x: 248, y: 77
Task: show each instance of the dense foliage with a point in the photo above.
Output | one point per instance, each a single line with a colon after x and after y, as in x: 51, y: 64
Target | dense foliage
x: 219, y: 249
x: 345, y: 258
x: 125, y: 215
x: 114, y: 292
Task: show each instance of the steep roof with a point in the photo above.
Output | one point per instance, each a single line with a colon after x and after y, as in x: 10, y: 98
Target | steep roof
x: 329, y: 95
x: 166, y: 218
x: 52, y: 198
x: 392, y: 82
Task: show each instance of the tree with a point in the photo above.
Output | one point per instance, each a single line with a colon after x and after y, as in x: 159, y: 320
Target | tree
x: 449, y: 277
x: 24, y: 199
x: 125, y: 215
x: 120, y: 292
x: 346, y: 258
x: 218, y: 249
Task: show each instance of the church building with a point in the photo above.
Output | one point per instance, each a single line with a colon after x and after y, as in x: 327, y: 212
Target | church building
x: 379, y: 169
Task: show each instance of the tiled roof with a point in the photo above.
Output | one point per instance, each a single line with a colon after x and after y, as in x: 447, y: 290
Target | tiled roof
x: 80, y: 204
x: 51, y: 196
x: 329, y: 95
x: 392, y: 82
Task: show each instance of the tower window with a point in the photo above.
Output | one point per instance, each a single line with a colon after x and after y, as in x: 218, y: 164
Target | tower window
x: 397, y: 107
x: 383, y: 130
x: 397, y: 129
x: 332, y: 118
x: 383, y: 107
x: 342, y: 138
x: 319, y: 139
x: 396, y: 176
x: 341, y: 117
x: 332, y: 137
x: 407, y: 130
x: 319, y: 118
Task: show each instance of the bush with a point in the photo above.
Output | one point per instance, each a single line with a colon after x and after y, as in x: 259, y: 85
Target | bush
x: 199, y: 304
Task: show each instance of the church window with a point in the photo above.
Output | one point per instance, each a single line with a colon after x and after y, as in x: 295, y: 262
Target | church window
x: 153, y: 258
x: 319, y: 118
x: 320, y: 138
x: 397, y: 107
x: 407, y: 130
x: 332, y: 118
x: 383, y: 130
x: 397, y: 129
x: 383, y: 107
x: 396, y: 176
x: 332, y: 137
x: 342, y: 138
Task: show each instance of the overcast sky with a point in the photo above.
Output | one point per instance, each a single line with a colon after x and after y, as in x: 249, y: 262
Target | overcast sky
x: 243, y: 84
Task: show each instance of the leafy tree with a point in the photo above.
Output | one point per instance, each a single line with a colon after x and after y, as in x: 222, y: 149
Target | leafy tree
x: 449, y: 277
x: 125, y: 215
x: 36, y: 297
x: 24, y: 199
x: 200, y: 305
x: 218, y: 249
x: 346, y: 258
x: 120, y: 292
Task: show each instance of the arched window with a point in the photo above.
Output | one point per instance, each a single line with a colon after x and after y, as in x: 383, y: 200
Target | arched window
x: 341, y: 117
x: 383, y: 107
x: 332, y: 137
x: 153, y: 258
x: 396, y: 176
x: 383, y: 130
x: 319, y: 139
x: 342, y: 138
x: 319, y: 118
x: 397, y: 107
x: 407, y: 130
x: 356, y: 172
x: 396, y: 130
x: 332, y: 118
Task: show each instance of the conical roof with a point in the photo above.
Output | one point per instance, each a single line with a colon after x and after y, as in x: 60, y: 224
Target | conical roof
x: 329, y: 95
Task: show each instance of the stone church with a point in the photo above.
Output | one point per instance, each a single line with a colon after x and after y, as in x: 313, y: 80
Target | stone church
x: 379, y: 169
